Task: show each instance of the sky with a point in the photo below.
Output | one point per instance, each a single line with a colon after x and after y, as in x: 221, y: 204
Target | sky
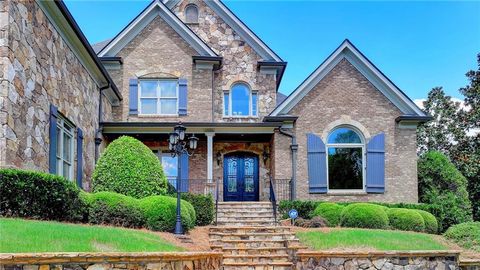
x: 418, y: 45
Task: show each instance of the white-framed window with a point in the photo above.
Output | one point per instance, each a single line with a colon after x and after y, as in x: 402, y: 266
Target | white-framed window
x: 158, y: 97
x: 240, y: 101
x: 191, y: 13
x: 65, y: 148
x: 345, y: 160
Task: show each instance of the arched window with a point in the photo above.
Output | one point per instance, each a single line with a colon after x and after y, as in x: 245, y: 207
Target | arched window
x: 345, y: 149
x: 191, y: 14
x: 240, y: 101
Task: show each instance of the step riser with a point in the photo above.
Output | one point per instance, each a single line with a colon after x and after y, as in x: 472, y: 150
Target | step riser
x: 255, y: 260
x: 244, y: 214
x: 252, y: 237
x: 245, y: 219
x: 253, y: 244
x: 254, y: 252
x: 258, y: 267
x: 250, y: 230
x: 260, y: 224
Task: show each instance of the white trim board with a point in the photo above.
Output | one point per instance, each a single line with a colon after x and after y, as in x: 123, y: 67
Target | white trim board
x: 238, y: 26
x: 348, y: 51
x: 156, y: 8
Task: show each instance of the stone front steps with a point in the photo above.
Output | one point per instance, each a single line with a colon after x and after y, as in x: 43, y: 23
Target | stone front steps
x: 247, y: 235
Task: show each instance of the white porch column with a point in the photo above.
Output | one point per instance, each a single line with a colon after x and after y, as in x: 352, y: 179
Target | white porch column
x: 210, y: 156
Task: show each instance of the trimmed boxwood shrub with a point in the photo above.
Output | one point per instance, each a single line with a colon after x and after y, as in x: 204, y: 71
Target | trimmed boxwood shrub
x: 406, y: 219
x: 159, y: 213
x: 114, y: 209
x: 204, y: 207
x: 129, y: 167
x: 331, y: 212
x: 364, y: 215
x: 431, y: 223
x: 38, y: 195
x: 465, y: 234
x: 443, y: 186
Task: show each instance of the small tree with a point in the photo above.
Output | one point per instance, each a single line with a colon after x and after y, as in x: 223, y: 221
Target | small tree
x: 129, y: 167
x: 443, y: 186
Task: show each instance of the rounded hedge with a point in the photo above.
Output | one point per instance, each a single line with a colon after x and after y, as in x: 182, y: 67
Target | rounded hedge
x: 431, y: 223
x: 204, y: 207
x: 466, y: 235
x: 406, y: 219
x: 159, y: 213
x: 114, y: 209
x: 129, y: 167
x: 38, y: 195
x: 331, y: 212
x: 364, y: 215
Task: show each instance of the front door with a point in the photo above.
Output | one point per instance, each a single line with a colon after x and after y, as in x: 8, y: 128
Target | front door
x: 240, y: 177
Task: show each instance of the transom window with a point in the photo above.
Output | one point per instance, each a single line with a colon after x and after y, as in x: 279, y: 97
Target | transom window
x: 240, y: 101
x: 345, y: 149
x: 158, y: 97
x: 191, y: 14
x: 65, y: 148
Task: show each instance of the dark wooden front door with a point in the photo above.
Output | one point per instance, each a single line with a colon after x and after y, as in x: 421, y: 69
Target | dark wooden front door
x: 240, y: 177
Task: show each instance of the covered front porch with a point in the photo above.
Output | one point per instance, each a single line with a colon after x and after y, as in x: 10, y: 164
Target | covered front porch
x: 233, y: 161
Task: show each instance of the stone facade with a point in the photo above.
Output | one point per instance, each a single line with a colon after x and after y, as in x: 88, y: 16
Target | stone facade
x: 112, y: 261
x: 345, y: 96
x: 38, y: 68
x: 377, y: 260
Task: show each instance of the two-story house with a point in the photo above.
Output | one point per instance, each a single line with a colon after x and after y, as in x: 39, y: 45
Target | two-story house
x: 346, y: 133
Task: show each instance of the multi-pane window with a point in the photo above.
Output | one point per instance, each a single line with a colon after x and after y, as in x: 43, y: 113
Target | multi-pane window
x: 240, y: 101
x: 158, y: 97
x: 169, y: 165
x: 345, y: 159
x: 65, y: 148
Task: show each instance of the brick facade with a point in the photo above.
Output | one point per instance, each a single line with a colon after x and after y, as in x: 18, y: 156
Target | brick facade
x: 345, y: 96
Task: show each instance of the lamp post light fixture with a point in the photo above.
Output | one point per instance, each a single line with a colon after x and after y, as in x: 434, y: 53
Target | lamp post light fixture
x: 179, y: 145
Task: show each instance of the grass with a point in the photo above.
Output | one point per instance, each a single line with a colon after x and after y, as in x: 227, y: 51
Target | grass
x: 19, y: 235
x: 369, y: 239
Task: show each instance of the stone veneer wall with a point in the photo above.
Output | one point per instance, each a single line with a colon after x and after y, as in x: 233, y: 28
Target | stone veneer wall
x: 345, y: 96
x: 38, y: 68
x: 377, y: 260
x: 111, y: 261
x: 239, y: 61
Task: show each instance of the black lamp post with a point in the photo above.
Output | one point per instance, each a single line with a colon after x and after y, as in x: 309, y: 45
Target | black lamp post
x: 178, y: 146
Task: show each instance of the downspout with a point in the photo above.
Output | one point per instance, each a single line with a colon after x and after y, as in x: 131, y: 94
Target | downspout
x: 293, y: 149
x: 98, y: 132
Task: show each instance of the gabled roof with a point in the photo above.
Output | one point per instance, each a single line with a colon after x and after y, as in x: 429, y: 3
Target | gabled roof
x: 348, y: 51
x: 156, y: 8
x: 239, y: 27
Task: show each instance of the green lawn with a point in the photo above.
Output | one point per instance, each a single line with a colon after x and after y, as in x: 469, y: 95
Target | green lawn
x: 19, y: 235
x: 370, y: 239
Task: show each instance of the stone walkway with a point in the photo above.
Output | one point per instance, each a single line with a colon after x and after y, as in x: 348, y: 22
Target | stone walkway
x: 249, y: 238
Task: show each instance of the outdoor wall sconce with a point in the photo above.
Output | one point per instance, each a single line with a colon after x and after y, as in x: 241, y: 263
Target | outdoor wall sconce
x: 219, y: 158
x: 265, y: 155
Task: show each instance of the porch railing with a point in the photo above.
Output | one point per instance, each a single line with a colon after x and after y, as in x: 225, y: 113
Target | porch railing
x: 273, y: 199
x: 283, y: 189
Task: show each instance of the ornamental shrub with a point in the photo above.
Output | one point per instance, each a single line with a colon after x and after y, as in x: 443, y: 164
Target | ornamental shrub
x: 159, y: 213
x: 37, y: 195
x: 466, y: 235
x: 114, y: 209
x: 331, y: 212
x: 204, y: 207
x: 406, y: 220
x: 443, y: 186
x: 305, y: 208
x: 129, y: 167
x: 364, y: 215
x: 431, y: 223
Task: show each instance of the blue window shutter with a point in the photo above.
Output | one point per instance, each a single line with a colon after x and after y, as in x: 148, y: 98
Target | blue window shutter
x: 79, y: 157
x: 184, y: 173
x: 317, y: 163
x: 52, y: 156
x: 182, y: 96
x: 133, y: 96
x: 376, y: 164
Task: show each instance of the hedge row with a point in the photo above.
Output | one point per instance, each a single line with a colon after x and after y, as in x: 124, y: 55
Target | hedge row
x: 374, y: 216
x: 39, y: 195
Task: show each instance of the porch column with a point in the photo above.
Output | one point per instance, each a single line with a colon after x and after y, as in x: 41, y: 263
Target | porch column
x: 210, y: 156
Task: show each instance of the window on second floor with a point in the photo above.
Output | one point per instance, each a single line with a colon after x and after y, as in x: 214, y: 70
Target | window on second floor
x: 240, y: 101
x: 65, y: 148
x: 158, y: 97
x: 191, y: 14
